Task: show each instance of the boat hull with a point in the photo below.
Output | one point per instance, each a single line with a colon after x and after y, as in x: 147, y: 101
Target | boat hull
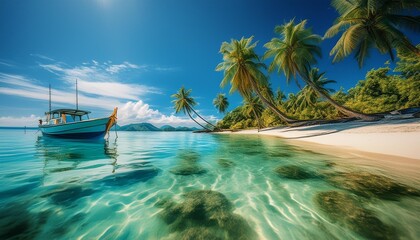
x: 93, y: 128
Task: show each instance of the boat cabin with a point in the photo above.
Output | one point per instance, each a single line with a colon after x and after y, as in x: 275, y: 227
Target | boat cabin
x: 62, y: 116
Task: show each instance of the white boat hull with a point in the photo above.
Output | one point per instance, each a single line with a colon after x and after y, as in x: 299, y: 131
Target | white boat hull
x: 83, y: 129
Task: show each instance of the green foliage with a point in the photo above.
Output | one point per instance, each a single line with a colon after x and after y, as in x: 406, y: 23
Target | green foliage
x: 241, y: 66
x: 367, y: 24
x: 221, y: 103
x: 379, y: 92
x: 295, y: 51
x: 238, y: 119
x: 183, y: 101
x: 409, y: 64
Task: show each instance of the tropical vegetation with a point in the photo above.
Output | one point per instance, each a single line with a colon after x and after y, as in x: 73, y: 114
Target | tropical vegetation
x: 372, y: 23
x: 243, y: 69
x: 221, y: 103
x: 383, y: 90
x: 253, y: 107
x: 294, y: 54
x: 185, y: 103
x: 364, y: 25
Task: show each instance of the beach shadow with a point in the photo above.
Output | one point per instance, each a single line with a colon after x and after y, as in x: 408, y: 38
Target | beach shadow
x: 330, y: 128
x: 340, y: 125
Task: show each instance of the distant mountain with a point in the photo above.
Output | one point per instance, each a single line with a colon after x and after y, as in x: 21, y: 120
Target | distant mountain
x: 186, y: 129
x: 150, y: 127
x: 167, y: 128
x: 138, y: 127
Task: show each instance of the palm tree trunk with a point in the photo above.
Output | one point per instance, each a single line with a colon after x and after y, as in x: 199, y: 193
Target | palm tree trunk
x: 346, y: 111
x: 196, y: 121
x: 270, y: 105
x: 203, y: 118
x: 258, y: 120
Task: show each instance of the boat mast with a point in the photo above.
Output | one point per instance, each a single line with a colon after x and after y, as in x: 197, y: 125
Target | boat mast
x: 49, y: 99
x: 77, y: 97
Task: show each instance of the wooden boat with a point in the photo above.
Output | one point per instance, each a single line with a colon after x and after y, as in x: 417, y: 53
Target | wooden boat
x: 75, y: 123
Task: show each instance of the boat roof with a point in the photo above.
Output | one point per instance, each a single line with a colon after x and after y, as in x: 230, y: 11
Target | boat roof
x: 76, y: 112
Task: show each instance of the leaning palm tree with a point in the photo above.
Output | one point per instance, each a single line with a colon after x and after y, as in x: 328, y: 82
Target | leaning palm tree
x: 253, y: 105
x: 221, y: 103
x: 372, y: 23
x: 308, y: 96
x: 184, y: 102
x: 294, y: 54
x: 243, y: 69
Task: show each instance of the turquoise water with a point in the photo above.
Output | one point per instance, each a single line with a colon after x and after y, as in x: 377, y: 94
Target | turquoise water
x: 157, y: 185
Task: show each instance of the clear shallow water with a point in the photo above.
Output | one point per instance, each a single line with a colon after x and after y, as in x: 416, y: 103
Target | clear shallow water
x: 149, y: 185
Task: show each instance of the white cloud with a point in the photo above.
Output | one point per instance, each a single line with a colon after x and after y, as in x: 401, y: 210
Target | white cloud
x: 6, y: 63
x: 101, y: 80
x: 99, y: 87
x: 23, y: 87
x: 166, y: 69
x: 29, y: 121
x: 116, y: 68
x: 137, y: 112
x: 42, y: 57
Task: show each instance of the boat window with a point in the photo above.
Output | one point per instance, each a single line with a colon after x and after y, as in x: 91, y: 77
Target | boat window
x: 83, y: 117
x: 70, y: 119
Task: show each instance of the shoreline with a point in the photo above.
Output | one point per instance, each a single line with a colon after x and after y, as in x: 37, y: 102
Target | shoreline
x: 387, y: 137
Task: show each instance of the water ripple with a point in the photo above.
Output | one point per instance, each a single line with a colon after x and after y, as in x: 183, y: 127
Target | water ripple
x: 116, y: 189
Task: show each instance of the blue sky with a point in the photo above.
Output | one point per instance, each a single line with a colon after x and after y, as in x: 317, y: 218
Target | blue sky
x: 136, y: 54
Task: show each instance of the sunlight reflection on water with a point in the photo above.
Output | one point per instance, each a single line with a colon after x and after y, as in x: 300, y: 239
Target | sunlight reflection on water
x: 154, y: 185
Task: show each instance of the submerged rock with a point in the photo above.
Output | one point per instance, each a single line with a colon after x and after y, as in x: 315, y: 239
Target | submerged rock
x: 189, y: 157
x: 204, y: 214
x: 371, y: 185
x: 68, y: 196
x: 17, y: 222
x: 196, y: 233
x: 188, y: 164
x: 294, y: 172
x: 225, y: 163
x: 348, y: 211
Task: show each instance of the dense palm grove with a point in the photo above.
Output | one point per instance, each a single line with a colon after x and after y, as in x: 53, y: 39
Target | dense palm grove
x: 294, y: 52
x: 383, y: 90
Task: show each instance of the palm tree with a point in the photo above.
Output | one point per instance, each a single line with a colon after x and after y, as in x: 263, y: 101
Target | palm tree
x: 184, y: 102
x: 253, y: 105
x: 242, y: 68
x: 295, y: 53
x: 308, y: 96
x: 221, y: 103
x: 291, y: 101
x: 279, y: 97
x: 305, y: 98
x: 372, y: 23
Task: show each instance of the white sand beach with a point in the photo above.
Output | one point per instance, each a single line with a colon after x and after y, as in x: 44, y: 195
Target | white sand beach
x: 395, y: 137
